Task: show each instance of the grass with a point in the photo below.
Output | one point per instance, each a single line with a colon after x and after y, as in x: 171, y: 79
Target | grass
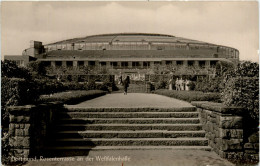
x: 189, y: 95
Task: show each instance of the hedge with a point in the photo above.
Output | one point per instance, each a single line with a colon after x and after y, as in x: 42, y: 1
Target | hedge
x: 243, y: 92
x: 241, y: 88
x: 189, y: 95
x: 209, y: 84
x: 72, y: 97
x: 16, y: 91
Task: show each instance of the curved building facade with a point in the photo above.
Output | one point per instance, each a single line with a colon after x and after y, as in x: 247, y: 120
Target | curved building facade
x: 125, y: 51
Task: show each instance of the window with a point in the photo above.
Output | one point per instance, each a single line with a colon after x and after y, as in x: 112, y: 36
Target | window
x: 114, y: 64
x: 157, y: 63
x: 135, y: 64
x: 179, y: 62
x: 103, y: 63
x: 58, y: 63
x: 190, y: 63
x: 146, y: 64
x: 47, y: 63
x: 91, y: 63
x: 81, y: 63
x: 202, y: 63
x: 69, y: 63
x: 124, y: 64
x: 213, y: 63
x: 168, y: 62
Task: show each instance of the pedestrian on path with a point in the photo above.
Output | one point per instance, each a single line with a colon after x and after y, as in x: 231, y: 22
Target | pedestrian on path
x: 126, y: 83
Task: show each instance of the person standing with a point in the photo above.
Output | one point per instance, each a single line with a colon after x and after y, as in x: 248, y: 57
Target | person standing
x: 120, y: 80
x: 181, y: 82
x: 170, y: 84
x: 126, y: 83
x: 177, y: 84
x: 187, y: 84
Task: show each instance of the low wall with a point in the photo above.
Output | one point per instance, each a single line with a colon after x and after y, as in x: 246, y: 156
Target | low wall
x: 29, y: 127
x: 225, y: 129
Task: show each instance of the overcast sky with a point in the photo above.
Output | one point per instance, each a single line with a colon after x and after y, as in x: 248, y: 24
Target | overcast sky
x: 233, y: 24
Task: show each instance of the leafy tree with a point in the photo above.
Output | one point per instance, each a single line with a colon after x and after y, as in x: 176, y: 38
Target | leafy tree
x: 11, y: 70
x: 37, y: 67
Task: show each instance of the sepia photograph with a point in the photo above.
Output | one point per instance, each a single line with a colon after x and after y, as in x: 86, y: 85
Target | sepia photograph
x: 130, y: 83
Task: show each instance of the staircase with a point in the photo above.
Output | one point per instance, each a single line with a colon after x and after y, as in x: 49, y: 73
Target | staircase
x: 128, y: 128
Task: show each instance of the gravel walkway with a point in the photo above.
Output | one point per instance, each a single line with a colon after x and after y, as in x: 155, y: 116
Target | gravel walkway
x: 133, y: 100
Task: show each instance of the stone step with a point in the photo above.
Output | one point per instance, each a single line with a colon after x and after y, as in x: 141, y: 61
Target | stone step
x: 175, y: 127
x: 129, y: 134
x: 129, y: 120
x: 71, y: 108
x: 131, y: 142
x: 130, y: 114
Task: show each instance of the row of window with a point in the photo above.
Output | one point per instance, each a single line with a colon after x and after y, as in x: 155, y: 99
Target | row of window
x: 128, y: 64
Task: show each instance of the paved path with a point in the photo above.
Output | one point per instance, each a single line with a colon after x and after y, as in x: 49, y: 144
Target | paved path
x: 143, y: 158
x: 133, y: 100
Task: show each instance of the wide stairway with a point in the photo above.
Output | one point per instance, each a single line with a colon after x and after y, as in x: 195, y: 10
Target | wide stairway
x: 128, y: 128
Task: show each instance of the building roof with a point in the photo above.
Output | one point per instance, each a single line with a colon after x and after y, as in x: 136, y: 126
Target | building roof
x: 129, y: 37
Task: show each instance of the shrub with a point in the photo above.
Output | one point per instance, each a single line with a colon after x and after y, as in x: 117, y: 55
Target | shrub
x: 209, y: 84
x: 161, y: 84
x: 74, y: 86
x: 48, y: 86
x: 6, y: 158
x: 223, y: 67
x: 192, y: 85
x: 241, y: 88
x: 91, y: 85
x: 189, y: 95
x: 72, y: 97
x: 16, y: 91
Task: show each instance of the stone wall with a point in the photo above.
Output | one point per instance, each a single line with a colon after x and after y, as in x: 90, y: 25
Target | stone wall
x: 29, y: 128
x: 225, y: 128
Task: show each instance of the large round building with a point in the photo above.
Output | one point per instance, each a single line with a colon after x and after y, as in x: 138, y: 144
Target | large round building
x: 131, y: 51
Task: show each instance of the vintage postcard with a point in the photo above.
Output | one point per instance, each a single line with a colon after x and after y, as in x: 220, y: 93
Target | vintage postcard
x: 130, y: 83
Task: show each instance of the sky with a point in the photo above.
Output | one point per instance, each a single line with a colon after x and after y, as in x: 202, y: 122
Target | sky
x: 233, y: 24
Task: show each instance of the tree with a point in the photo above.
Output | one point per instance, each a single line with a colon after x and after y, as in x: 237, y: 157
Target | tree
x: 37, y: 67
x: 11, y: 70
